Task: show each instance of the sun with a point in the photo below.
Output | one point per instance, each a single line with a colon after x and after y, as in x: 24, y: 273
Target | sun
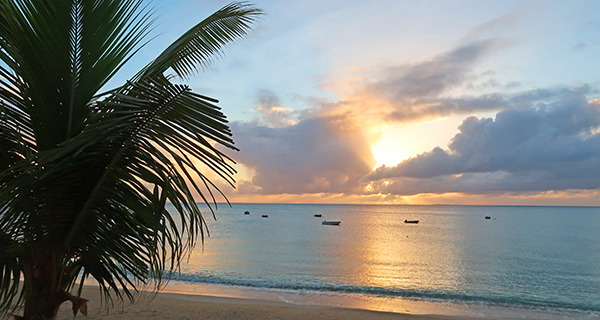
x: 402, y: 142
x: 388, y: 153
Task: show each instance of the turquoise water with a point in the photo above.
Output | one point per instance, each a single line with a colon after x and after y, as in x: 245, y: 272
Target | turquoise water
x: 532, y: 257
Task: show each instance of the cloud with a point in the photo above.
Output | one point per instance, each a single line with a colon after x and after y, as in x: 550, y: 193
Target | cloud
x: 433, y: 76
x: 271, y: 110
x: 498, y: 25
x: 427, y: 89
x: 423, y: 108
x: 579, y: 46
x: 316, y: 155
x: 542, y: 139
x: 551, y: 146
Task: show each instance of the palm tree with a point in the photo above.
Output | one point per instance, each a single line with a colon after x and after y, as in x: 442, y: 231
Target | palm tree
x: 85, y: 175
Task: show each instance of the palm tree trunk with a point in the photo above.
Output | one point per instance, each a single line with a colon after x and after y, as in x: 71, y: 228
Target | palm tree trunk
x: 43, y: 295
x: 42, y: 306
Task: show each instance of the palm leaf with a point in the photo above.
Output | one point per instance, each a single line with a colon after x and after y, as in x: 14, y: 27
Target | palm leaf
x: 85, y: 177
x: 119, y: 221
x: 61, y: 64
x: 197, y: 48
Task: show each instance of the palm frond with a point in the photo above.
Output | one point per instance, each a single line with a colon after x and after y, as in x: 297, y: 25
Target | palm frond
x: 197, y: 48
x: 60, y: 63
x: 85, y: 177
x: 142, y: 144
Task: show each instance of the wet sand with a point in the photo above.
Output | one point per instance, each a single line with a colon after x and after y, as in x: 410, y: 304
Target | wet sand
x: 187, y: 306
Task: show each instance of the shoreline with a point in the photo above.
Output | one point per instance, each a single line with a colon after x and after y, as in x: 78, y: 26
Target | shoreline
x: 399, y: 305
x: 197, y: 301
x: 167, y: 305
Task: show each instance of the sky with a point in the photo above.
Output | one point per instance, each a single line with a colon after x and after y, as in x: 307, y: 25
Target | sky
x: 407, y: 102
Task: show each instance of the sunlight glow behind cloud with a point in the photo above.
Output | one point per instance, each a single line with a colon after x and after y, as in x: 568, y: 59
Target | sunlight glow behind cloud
x: 464, y: 102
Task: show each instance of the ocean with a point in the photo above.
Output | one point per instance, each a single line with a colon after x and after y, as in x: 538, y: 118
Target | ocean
x: 532, y: 262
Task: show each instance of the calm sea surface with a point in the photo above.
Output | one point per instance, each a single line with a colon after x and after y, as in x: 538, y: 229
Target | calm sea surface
x: 545, y: 258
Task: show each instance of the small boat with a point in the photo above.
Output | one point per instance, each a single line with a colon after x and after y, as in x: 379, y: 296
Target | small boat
x: 265, y: 216
x: 487, y: 217
x: 330, y: 223
x: 246, y: 212
x: 318, y: 215
x: 411, y: 221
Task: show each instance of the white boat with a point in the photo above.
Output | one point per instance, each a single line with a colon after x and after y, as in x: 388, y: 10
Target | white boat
x: 331, y: 223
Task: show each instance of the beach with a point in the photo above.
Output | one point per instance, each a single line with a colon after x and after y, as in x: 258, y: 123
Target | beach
x: 184, y: 306
x: 524, y: 263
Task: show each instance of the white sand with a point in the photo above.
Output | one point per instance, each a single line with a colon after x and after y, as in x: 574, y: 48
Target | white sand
x: 184, y: 306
